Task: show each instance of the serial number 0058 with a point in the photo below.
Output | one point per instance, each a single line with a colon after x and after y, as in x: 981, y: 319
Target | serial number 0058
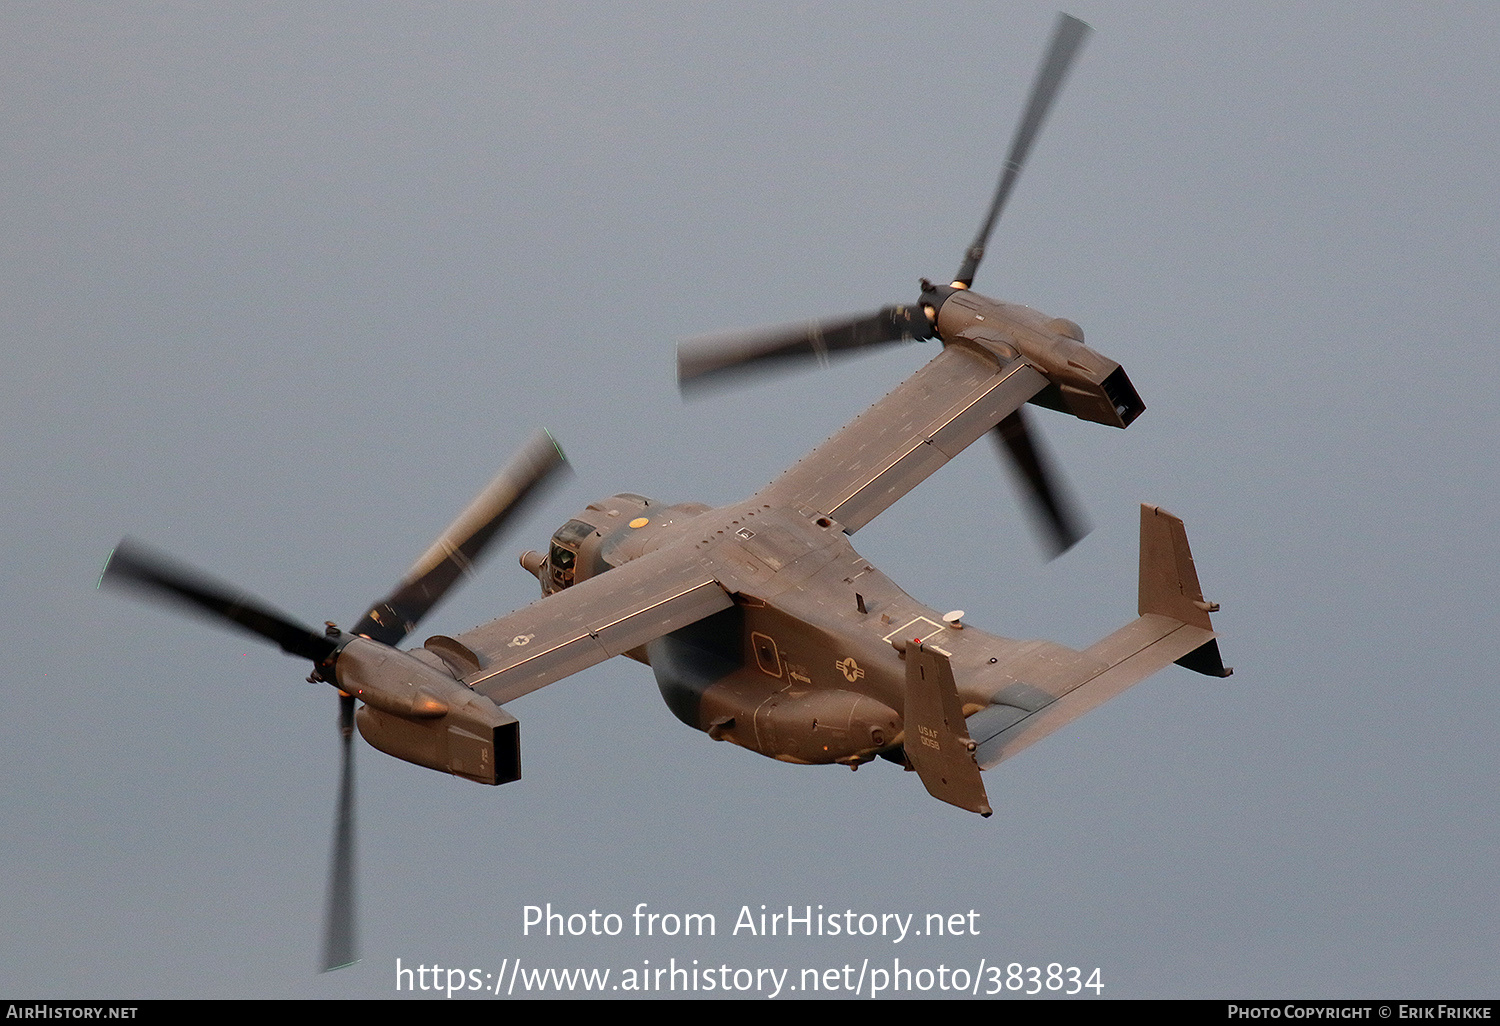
x: 1031, y: 979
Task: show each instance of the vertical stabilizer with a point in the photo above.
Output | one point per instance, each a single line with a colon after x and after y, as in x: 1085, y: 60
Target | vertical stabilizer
x: 938, y: 745
x: 1169, y: 585
x: 1169, y: 582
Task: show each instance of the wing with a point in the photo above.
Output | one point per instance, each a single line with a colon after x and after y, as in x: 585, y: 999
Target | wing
x: 896, y: 444
x: 604, y: 616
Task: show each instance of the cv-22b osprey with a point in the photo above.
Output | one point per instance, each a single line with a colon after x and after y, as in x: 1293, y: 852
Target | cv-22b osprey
x: 762, y: 624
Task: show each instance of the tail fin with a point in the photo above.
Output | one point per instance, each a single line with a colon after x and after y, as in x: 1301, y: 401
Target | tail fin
x: 938, y: 745
x: 1169, y: 585
x: 1169, y: 581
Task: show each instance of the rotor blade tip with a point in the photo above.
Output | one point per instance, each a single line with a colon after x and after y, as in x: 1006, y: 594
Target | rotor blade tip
x: 553, y: 439
x: 104, y: 570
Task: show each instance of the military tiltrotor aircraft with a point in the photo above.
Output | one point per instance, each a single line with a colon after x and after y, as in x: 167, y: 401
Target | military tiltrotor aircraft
x: 761, y: 623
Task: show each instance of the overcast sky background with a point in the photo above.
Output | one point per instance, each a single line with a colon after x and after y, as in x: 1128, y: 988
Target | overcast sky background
x: 284, y: 286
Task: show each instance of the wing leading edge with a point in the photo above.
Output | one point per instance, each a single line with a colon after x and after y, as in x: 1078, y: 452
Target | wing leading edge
x: 899, y: 442
x: 594, y: 619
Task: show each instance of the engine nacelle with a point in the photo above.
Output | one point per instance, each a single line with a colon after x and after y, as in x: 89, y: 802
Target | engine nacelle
x: 479, y: 744
x: 1085, y: 383
x: 418, y: 712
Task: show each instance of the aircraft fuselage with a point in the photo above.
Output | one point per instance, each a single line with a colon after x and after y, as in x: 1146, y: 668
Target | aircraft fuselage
x: 807, y: 666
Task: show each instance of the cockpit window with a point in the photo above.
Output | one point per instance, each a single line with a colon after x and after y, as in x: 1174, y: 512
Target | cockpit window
x: 564, y: 554
x: 572, y: 534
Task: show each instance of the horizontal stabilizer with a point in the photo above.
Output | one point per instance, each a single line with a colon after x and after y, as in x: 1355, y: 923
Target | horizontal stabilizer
x: 1174, y: 626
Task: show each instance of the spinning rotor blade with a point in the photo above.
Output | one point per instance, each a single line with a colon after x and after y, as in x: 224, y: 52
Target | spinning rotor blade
x: 1052, y: 507
x: 719, y: 358
x: 338, y: 922
x: 524, y: 479
x: 133, y: 565
x: 715, y: 359
x: 1067, y: 40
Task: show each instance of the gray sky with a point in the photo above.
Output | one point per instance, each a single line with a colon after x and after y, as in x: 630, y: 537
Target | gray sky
x: 286, y: 286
